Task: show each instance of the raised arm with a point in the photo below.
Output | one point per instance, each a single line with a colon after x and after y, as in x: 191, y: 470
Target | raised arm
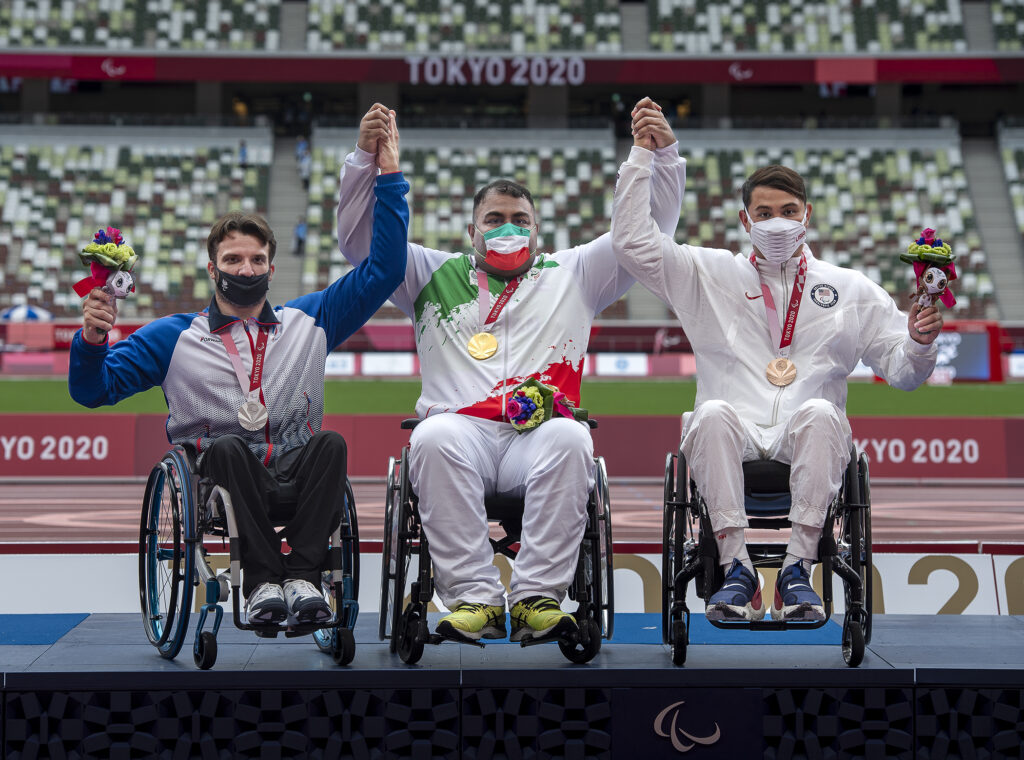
x: 356, y: 185
x: 652, y: 130
x: 345, y: 305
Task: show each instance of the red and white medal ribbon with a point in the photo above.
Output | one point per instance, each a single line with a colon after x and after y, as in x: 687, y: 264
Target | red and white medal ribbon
x: 252, y: 415
x: 781, y: 371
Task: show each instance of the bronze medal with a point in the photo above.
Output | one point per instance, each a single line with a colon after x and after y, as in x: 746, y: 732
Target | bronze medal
x: 482, y: 346
x: 781, y: 372
x: 252, y: 415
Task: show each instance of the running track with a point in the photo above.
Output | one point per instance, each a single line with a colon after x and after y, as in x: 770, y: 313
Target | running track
x: 97, y: 511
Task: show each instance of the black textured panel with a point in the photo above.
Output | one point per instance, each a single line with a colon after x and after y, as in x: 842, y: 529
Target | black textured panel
x: 417, y: 723
x: 970, y: 723
x: 536, y: 723
x: 838, y: 723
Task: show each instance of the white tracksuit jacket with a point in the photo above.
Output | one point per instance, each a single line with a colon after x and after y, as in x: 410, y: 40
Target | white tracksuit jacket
x: 716, y: 294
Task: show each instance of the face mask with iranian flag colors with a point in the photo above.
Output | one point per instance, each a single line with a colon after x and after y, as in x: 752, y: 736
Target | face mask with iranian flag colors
x: 507, y: 247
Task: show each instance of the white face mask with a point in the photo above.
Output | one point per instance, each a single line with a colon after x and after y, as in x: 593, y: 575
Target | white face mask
x: 778, y: 239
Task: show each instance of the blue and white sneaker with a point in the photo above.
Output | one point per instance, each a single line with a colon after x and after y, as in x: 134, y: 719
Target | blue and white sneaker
x: 739, y: 598
x: 794, y: 597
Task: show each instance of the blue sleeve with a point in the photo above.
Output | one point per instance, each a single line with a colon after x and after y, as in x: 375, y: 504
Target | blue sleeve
x: 347, y: 303
x: 102, y: 374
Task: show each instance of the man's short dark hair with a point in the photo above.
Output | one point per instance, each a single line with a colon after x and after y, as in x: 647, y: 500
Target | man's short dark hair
x: 244, y: 223
x: 502, y: 187
x: 780, y: 177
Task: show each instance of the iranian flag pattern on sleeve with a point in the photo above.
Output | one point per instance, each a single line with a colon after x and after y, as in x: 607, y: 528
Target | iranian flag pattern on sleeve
x: 542, y: 332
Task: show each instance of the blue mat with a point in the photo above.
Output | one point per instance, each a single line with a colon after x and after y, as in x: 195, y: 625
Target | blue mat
x: 37, y: 629
x: 645, y: 628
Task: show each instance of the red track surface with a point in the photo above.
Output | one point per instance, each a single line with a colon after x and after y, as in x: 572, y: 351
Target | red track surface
x: 99, y: 512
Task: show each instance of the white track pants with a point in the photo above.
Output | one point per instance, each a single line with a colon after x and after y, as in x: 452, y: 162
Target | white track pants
x: 455, y: 460
x: 815, y: 441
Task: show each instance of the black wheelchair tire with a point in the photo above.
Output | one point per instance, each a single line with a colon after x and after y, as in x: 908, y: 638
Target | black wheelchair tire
x: 344, y: 646
x: 583, y: 652
x: 405, y: 638
x: 386, y: 552
x: 205, y: 651
x: 680, y: 640
x: 166, y: 622
x: 853, y: 643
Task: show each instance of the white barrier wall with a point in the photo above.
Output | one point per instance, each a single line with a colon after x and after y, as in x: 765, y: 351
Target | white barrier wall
x: 921, y: 584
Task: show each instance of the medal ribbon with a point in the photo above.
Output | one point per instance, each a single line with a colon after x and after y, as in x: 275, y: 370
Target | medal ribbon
x: 783, y: 337
x: 255, y: 381
x: 484, y: 296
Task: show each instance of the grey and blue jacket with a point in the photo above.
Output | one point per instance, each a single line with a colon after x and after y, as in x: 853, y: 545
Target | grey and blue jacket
x: 185, y: 356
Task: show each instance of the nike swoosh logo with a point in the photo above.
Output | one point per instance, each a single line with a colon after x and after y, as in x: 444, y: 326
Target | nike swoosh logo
x: 750, y: 297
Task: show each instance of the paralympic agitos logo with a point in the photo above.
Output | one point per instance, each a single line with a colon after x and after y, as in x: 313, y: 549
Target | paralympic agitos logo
x: 682, y: 740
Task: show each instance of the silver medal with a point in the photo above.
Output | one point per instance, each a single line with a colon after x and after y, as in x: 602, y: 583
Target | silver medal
x: 252, y: 415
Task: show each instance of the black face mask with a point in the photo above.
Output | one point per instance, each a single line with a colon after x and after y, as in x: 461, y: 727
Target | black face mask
x: 242, y: 291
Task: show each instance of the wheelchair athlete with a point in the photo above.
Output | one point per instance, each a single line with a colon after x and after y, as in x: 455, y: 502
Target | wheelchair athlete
x: 827, y: 320
x: 252, y: 428
x: 485, y: 322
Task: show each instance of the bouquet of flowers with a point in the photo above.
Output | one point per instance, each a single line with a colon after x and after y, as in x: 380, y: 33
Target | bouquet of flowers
x: 532, y: 402
x: 933, y: 268
x: 110, y: 261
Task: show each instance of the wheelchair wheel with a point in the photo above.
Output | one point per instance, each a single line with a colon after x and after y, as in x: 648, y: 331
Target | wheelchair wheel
x: 205, y: 651
x: 406, y: 638
x: 326, y: 638
x: 167, y: 538
x: 680, y: 640
x: 604, y: 599
x: 397, y: 551
x: 853, y: 643
x: 587, y: 647
x: 343, y: 648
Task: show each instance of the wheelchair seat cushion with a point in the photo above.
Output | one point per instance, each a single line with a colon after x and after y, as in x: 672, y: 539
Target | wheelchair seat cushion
x: 765, y: 476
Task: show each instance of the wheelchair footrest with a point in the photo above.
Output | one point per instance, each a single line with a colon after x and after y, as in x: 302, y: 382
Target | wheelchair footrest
x: 570, y: 639
x: 769, y: 625
x: 437, y: 638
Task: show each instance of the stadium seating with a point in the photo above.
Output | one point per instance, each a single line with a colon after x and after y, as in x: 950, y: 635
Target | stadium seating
x: 872, y: 192
x: 162, y: 187
x: 1008, y: 24
x: 816, y: 26
x: 1011, y: 144
x: 570, y: 175
x: 131, y: 24
x: 464, y: 25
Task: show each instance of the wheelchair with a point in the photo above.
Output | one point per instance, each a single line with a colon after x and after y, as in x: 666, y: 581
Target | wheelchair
x: 179, y: 511
x: 689, y: 551
x: 403, y: 618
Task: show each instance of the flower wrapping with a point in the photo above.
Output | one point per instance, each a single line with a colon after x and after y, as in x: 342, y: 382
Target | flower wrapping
x: 532, y: 402
x: 930, y: 251
x: 106, y: 254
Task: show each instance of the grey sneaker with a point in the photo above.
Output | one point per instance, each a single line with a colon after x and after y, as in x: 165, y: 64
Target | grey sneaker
x: 266, y: 605
x: 305, y: 602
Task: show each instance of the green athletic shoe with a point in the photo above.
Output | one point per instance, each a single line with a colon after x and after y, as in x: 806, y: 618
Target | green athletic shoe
x: 473, y: 621
x: 539, y: 617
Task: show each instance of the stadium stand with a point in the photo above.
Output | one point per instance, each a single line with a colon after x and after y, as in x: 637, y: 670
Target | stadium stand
x: 872, y: 195
x: 872, y: 192
x: 163, y: 187
x: 571, y: 175
x: 464, y: 25
x: 1011, y: 143
x: 131, y: 24
x: 818, y: 26
x: 1008, y: 24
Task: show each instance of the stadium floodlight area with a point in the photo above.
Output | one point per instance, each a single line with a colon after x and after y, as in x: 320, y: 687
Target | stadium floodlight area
x: 150, y: 24
x: 814, y: 26
x: 163, y: 187
x: 464, y: 25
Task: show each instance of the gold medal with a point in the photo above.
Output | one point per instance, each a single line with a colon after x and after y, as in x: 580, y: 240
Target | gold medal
x: 482, y: 346
x: 781, y: 372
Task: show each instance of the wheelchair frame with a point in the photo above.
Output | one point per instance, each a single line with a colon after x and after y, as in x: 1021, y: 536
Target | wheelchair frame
x: 178, y: 511
x: 405, y: 623
x: 689, y: 552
